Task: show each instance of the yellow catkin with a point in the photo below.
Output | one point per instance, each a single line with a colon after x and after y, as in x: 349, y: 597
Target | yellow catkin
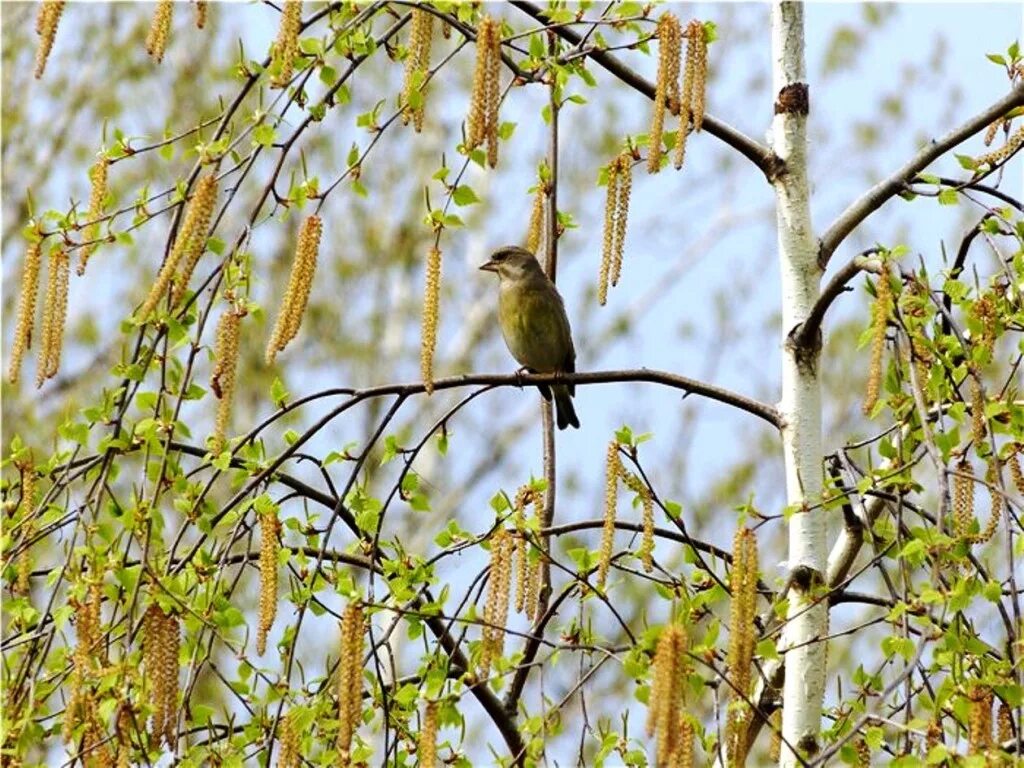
x: 350, y: 680
x: 417, y: 64
x: 156, y: 40
x: 667, y: 85
x: 286, y: 47
x: 496, y: 608
x: 639, y: 487
x: 697, y: 63
x: 613, y: 471
x: 202, y: 13
x: 533, y: 574
x: 1012, y: 145
x: 26, y: 506
x: 666, y: 700
x: 26, y: 308
x: 979, y: 720
x: 222, y: 378
x: 608, y: 243
x: 46, y: 27
x: 428, y: 328
x: 985, y: 312
x: 990, y: 132
x: 300, y: 282
x: 195, y: 227
x: 933, y: 737
x: 55, y: 312
x: 426, y: 751
x: 1016, y: 475
x: 1004, y: 723
x: 978, y: 421
x: 288, y: 734
x: 682, y: 757
x: 622, y: 213
x: 880, y: 312
x: 97, y: 194
x: 189, y: 245
x: 84, y: 663
x: 270, y: 528
x: 743, y: 588
x: 863, y: 751
x: 963, y: 499
x: 536, y: 230
x: 160, y: 644
x: 996, y: 502
x: 482, y: 124
x: 522, y: 555
x: 124, y: 736
x: 775, y: 748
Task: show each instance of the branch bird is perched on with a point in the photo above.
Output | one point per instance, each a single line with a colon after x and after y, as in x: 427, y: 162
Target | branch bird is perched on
x: 534, y: 324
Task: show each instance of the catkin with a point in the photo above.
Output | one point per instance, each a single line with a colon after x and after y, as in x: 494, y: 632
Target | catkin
x: 300, y: 282
x: 288, y: 734
x: 286, y: 47
x: 963, y: 499
x: 26, y: 506
x: 613, y: 471
x: 55, y: 312
x: 616, y: 217
x: 222, y: 378
x: 1016, y: 475
x: 428, y: 328
x: 46, y: 27
x: 521, y: 547
x: 622, y: 213
x: 97, y: 194
x: 156, y: 40
x: 496, y: 607
x: 1012, y: 145
x: 536, y: 230
x: 191, y: 240
x: 996, y: 502
x: 640, y: 488
x: 160, y: 645
x: 666, y: 92
x: 482, y: 124
x: 691, y: 100
x: 979, y: 720
x: 26, y: 308
x: 426, y: 750
x: 270, y: 528
x: 978, y: 421
x: 743, y: 588
x: 202, y: 13
x: 668, y: 675
x: 188, y: 247
x: 417, y: 64
x: 880, y: 312
x: 350, y: 680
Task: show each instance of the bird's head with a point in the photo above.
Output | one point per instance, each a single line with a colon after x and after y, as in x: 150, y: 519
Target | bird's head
x: 512, y: 263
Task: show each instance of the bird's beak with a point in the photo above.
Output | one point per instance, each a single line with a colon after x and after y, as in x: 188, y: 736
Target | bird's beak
x: 490, y: 266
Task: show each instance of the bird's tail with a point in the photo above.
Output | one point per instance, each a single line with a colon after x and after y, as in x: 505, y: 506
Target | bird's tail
x: 565, y: 414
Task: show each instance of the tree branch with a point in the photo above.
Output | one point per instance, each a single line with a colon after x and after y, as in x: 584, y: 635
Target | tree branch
x: 805, y: 335
x: 892, y: 185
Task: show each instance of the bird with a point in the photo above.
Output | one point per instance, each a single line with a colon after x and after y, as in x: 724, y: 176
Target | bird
x: 533, y: 322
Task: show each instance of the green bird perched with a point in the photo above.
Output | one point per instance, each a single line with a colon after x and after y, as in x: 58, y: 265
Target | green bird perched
x: 534, y: 324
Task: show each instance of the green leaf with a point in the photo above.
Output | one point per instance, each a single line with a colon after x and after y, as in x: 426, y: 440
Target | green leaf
x: 464, y: 195
x: 263, y: 135
x: 948, y: 197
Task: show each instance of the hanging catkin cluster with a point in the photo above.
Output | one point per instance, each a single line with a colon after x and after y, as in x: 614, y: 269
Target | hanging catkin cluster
x: 486, y: 96
x: 979, y: 720
x: 156, y: 40
x: 613, y: 471
x: 55, y: 312
x: 643, y: 492
x: 527, y: 576
x: 1016, y: 474
x: 160, y: 644
x: 665, y: 714
x: 978, y: 421
x: 881, y: 311
x: 270, y: 529
x: 97, y: 194
x: 496, y: 608
x: 350, y: 680
x: 743, y: 588
x: 428, y: 326
x: 26, y: 308
x: 426, y: 750
x: 26, y: 506
x: 222, y: 378
x: 963, y: 499
x: 1012, y: 144
x: 691, y: 100
x: 616, y: 217
x: 46, y: 27
x: 666, y: 94
x: 300, y: 282
x: 417, y: 64
x: 286, y: 47
x: 188, y: 247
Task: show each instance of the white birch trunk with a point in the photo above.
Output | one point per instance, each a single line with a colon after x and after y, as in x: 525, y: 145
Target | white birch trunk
x: 801, y: 392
